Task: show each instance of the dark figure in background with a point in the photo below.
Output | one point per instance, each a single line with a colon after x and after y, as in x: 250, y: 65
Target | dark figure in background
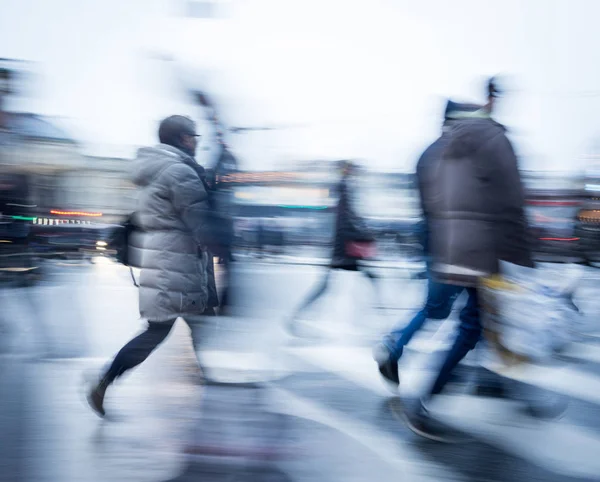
x: 212, y: 303
x: 479, y: 205
x: 440, y: 296
x: 221, y: 201
x: 348, y: 228
x: 221, y: 220
x: 174, y: 237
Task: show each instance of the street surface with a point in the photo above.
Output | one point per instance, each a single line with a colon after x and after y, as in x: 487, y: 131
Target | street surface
x: 317, y: 410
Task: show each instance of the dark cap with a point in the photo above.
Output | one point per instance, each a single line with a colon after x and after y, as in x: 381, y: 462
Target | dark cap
x: 172, y: 128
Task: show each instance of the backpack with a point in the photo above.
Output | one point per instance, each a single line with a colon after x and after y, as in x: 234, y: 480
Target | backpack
x: 120, y: 239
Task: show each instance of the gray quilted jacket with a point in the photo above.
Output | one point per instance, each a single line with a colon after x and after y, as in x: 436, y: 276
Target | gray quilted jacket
x: 170, y: 244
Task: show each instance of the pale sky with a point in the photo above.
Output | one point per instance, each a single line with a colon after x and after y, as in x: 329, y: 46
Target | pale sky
x: 357, y: 78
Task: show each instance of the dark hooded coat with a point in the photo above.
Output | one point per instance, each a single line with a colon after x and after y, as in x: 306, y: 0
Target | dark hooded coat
x: 475, y: 202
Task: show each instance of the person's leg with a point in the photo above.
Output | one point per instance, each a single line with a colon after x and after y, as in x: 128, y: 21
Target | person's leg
x: 374, y: 279
x: 138, y: 349
x: 314, y: 295
x: 130, y: 356
x: 469, y: 333
x: 418, y: 420
x: 440, y: 299
x: 399, y: 338
x: 225, y: 306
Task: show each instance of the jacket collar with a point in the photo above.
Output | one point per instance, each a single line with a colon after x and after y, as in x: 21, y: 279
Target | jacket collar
x: 183, y: 157
x: 478, y: 114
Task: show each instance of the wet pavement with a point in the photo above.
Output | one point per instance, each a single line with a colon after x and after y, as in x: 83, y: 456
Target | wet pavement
x: 318, y: 411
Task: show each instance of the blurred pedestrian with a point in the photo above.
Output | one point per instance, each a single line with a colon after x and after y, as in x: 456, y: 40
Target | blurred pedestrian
x: 440, y: 296
x: 212, y: 303
x: 173, y: 241
x: 476, y: 220
x: 221, y: 200
x: 223, y: 207
x: 352, y: 243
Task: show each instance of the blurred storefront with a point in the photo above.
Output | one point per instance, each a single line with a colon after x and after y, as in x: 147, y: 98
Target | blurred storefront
x: 59, y: 177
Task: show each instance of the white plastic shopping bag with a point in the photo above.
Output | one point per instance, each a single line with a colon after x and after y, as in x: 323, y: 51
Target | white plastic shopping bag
x: 534, y: 316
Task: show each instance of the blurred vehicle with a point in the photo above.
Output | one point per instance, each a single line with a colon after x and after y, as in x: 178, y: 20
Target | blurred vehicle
x: 72, y: 240
x: 552, y: 217
x: 71, y: 234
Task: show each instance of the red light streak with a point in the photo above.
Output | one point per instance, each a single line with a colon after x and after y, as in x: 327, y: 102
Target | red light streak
x: 532, y: 202
x: 76, y: 213
x: 559, y: 239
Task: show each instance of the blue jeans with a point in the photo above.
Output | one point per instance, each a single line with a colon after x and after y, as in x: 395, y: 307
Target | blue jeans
x: 469, y: 333
x: 440, y: 298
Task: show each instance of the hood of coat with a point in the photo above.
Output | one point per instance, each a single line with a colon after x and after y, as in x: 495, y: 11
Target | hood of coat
x: 151, y: 161
x: 466, y: 136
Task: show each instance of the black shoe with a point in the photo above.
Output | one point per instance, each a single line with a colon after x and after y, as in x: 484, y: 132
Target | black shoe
x: 388, y: 367
x: 421, y: 423
x: 95, y: 397
x: 547, y: 410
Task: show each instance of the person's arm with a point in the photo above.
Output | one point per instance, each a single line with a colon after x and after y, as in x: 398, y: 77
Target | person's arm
x: 504, y: 173
x: 510, y: 196
x: 354, y: 222
x: 422, y: 228
x: 190, y: 201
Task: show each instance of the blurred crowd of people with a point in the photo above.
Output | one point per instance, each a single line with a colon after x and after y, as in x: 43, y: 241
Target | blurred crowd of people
x: 474, y: 219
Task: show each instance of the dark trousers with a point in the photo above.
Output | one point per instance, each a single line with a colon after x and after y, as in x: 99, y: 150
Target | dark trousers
x: 140, y: 348
x: 321, y: 288
x: 226, y: 290
x: 469, y: 333
x: 440, y: 299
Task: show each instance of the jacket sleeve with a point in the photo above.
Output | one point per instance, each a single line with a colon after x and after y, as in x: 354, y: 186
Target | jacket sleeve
x: 510, y: 196
x: 355, y: 226
x: 422, y: 228
x: 190, y: 200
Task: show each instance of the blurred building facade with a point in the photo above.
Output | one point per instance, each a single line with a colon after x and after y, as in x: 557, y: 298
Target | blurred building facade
x: 59, y: 177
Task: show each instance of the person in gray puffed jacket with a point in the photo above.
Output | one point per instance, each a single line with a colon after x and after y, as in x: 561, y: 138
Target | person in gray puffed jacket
x: 169, y: 244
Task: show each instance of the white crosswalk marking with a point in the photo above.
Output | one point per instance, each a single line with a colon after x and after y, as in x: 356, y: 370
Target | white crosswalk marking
x: 356, y: 364
x: 557, y: 446
x: 399, y: 456
x: 566, y: 380
x: 554, y: 445
x: 583, y: 351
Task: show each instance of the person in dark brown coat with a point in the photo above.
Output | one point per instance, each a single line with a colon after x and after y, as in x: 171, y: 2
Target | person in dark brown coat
x: 477, y: 214
x: 476, y: 218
